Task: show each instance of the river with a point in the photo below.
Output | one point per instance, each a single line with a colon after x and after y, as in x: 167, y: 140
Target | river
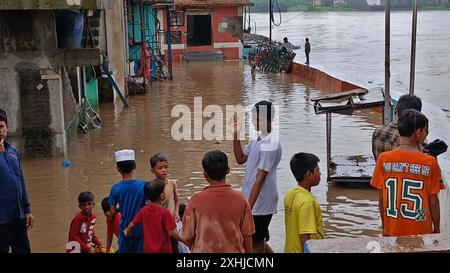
x: 350, y: 46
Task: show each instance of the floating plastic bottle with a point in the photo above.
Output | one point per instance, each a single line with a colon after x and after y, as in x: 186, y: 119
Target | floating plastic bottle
x: 67, y: 163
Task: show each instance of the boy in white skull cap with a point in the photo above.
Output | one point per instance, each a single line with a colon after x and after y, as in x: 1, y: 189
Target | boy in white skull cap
x: 128, y: 195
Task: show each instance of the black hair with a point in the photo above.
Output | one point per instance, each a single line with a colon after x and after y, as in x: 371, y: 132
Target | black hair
x: 181, y: 210
x: 3, y: 116
x: 264, y: 109
x: 301, y: 163
x: 106, y: 207
x: 126, y: 166
x: 408, y: 102
x: 157, y: 158
x: 215, y: 164
x: 153, y: 189
x: 307, y: 39
x: 105, y: 204
x: 411, y: 120
x: 85, y: 196
x: 285, y: 38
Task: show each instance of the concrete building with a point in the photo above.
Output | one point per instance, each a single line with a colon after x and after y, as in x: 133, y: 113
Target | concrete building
x: 207, y: 26
x: 375, y: 2
x: 339, y: 3
x: 316, y: 3
x: 37, y: 52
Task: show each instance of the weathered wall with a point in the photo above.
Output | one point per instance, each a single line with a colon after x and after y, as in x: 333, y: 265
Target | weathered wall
x: 28, y: 38
x: 36, y: 116
x: 24, y: 39
x: 70, y: 104
x: 115, y: 40
x: 102, y: 43
x: 10, y: 98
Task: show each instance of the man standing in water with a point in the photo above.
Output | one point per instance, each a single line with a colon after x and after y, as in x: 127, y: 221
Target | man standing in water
x: 15, y: 209
x: 262, y: 156
x: 307, y: 50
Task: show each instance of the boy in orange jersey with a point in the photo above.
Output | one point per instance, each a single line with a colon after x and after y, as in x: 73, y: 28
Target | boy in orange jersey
x: 408, y: 181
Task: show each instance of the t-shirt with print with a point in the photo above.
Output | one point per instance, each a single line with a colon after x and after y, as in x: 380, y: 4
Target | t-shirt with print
x: 406, y: 180
x: 263, y: 155
x: 302, y: 216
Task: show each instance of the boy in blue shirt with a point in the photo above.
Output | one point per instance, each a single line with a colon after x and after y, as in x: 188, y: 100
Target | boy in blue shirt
x: 128, y: 194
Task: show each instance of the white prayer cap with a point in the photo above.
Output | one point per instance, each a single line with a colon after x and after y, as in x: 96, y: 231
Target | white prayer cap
x: 124, y: 155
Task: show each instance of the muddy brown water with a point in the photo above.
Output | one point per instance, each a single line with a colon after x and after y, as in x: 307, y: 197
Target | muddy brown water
x: 146, y: 128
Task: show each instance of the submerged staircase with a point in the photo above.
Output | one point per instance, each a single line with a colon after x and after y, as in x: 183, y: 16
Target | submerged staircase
x: 203, y: 56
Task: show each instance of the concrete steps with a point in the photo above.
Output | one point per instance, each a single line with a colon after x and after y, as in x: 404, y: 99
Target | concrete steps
x: 203, y: 56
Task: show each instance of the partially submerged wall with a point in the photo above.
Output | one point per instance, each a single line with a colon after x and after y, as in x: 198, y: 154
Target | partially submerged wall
x: 321, y: 80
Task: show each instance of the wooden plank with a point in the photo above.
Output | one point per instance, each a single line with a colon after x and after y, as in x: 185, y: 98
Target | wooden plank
x: 352, y: 169
x: 421, y: 243
x: 354, y: 92
x: 354, y: 160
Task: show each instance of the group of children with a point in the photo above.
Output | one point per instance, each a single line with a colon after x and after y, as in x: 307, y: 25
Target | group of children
x: 219, y: 218
x: 130, y: 208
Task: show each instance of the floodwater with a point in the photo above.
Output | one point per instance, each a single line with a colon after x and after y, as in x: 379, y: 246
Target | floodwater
x: 347, y: 45
x: 350, y: 46
x: 146, y: 128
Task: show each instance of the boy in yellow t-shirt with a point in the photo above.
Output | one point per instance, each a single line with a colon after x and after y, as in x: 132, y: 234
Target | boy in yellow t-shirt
x: 303, y: 217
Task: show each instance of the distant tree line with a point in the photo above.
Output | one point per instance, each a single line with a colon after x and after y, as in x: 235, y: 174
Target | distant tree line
x: 286, y: 5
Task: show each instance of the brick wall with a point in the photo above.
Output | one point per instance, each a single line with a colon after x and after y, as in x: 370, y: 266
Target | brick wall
x: 36, y: 116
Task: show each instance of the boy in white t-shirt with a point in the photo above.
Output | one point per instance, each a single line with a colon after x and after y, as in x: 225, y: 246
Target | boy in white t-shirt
x: 262, y: 156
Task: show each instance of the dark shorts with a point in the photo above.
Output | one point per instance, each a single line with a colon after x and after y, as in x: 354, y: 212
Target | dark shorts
x: 14, y: 235
x: 174, y: 245
x: 261, y: 228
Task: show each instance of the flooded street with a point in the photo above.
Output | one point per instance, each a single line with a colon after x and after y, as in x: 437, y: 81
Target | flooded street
x: 146, y: 128
x: 350, y: 46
